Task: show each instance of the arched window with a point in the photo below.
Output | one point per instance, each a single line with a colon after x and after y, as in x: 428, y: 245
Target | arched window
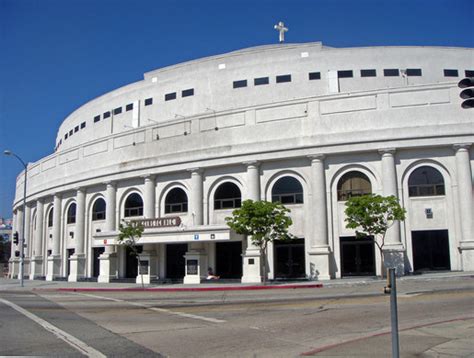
x: 287, y: 190
x: 353, y: 184
x: 98, y: 210
x: 426, y: 181
x: 50, y: 218
x: 133, y: 205
x: 176, y: 201
x: 227, y: 196
x: 71, y: 214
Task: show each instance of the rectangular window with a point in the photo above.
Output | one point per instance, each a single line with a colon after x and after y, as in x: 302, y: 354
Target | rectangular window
x: 391, y: 72
x: 60, y: 141
x: 240, y: 84
x: 314, y: 76
x: 170, y: 96
x: 148, y: 101
x: 283, y: 78
x: 345, y: 74
x: 187, y: 93
x: 261, y: 81
x: 106, y: 114
x: 451, y: 73
x: 368, y: 73
x: 129, y: 107
x: 65, y: 136
x: 71, y: 132
x: 76, y: 129
x: 83, y: 125
x: 469, y: 73
x: 118, y: 110
x: 413, y: 72
x: 96, y: 119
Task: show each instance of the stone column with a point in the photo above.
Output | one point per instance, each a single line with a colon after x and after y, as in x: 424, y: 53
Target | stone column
x: 36, y: 268
x: 54, y: 261
x: 78, y: 260
x: 19, y: 225
x: 196, y: 196
x: 319, y: 252
x: 464, y: 184
x: 394, y: 252
x: 251, y: 270
x: 108, y: 260
x: 27, y: 242
x: 148, y: 258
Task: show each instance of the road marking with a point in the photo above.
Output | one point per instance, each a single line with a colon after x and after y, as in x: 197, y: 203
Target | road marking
x: 161, y: 310
x: 66, y: 337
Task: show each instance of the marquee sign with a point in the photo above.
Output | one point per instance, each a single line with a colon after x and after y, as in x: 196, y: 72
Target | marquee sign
x: 169, y: 221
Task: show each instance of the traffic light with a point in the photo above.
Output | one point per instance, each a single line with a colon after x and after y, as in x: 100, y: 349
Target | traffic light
x: 467, y: 94
x: 15, y: 237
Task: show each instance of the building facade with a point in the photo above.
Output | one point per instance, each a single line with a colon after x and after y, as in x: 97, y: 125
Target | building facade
x: 303, y: 124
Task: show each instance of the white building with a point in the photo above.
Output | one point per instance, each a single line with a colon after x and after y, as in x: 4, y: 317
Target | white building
x: 304, y: 124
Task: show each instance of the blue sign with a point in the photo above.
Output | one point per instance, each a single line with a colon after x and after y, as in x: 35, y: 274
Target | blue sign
x: 196, y: 236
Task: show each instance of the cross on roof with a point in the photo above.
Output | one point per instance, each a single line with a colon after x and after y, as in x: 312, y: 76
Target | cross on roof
x: 281, y: 29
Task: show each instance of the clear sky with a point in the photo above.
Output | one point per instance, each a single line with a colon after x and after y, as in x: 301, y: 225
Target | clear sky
x: 55, y: 55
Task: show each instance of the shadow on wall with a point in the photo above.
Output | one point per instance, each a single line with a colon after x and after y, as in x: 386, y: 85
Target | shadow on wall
x: 395, y: 259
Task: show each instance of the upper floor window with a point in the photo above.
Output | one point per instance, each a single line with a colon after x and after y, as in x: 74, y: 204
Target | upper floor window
x: 65, y: 136
x: 50, y: 217
x: 227, y: 196
x: 426, y: 181
x: 133, y: 205
x: 240, y: 84
x: 314, y: 76
x: 83, y: 125
x: 187, y: 92
x: 469, y: 73
x: 129, y: 107
x: 148, y: 101
x: 451, y: 73
x: 98, y: 210
x: 391, y: 72
x: 118, y: 110
x: 345, y: 74
x: 353, y: 184
x: 71, y: 214
x: 106, y: 114
x: 176, y: 201
x: 413, y: 72
x: 71, y: 132
x: 76, y: 129
x: 283, y: 78
x: 170, y: 96
x: 261, y: 81
x: 368, y: 73
x: 287, y: 190
x: 96, y: 119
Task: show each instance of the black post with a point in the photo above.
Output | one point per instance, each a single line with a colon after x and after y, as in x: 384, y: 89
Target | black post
x: 394, y: 313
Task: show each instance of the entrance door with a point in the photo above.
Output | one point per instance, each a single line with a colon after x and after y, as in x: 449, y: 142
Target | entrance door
x: 430, y: 250
x: 97, y: 251
x: 289, y: 259
x: 131, y: 263
x: 175, y: 261
x: 229, y: 259
x: 357, y: 256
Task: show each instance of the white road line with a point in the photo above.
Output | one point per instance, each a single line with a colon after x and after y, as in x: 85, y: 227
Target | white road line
x: 161, y: 310
x: 66, y: 337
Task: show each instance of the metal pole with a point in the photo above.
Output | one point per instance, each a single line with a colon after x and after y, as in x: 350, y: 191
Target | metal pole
x: 394, y: 313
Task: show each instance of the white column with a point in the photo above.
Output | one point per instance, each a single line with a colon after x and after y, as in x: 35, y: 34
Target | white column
x: 148, y: 255
x: 196, y: 196
x: 394, y: 252
x: 108, y: 269
x: 78, y: 260
x: 27, y: 241
x: 251, y: 270
x: 464, y: 184
x: 54, y: 261
x: 149, y: 202
x: 19, y: 225
x: 36, y: 268
x: 319, y: 252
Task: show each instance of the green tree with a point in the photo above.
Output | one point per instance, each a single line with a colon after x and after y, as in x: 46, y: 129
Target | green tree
x: 263, y: 221
x: 129, y: 234
x: 373, y: 215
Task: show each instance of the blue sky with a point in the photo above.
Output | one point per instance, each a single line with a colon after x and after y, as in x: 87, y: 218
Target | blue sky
x: 55, y: 55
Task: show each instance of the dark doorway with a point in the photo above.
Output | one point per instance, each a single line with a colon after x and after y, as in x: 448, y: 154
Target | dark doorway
x: 131, y: 262
x: 430, y: 250
x: 97, y: 251
x: 70, y: 252
x: 229, y: 259
x: 289, y: 259
x: 357, y: 256
x: 175, y: 260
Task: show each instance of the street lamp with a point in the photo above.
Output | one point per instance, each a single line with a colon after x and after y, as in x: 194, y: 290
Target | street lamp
x: 22, y: 237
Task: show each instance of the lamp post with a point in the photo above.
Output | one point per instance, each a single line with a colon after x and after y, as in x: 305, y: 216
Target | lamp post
x: 22, y: 237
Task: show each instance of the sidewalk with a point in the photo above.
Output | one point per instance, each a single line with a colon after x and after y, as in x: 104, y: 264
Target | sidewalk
x: 453, y: 338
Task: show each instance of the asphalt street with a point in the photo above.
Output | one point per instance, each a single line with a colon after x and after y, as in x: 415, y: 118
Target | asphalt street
x: 351, y: 319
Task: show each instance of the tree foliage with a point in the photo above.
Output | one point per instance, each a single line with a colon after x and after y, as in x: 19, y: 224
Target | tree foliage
x: 263, y: 221
x: 129, y: 234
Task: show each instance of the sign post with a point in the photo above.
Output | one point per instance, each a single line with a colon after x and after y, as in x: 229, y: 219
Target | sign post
x: 391, y: 289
